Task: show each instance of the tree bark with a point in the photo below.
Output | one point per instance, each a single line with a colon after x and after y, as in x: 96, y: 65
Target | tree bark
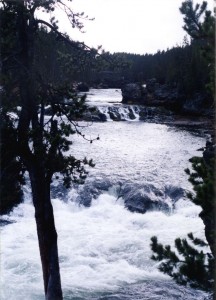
x: 34, y: 159
x: 47, y: 235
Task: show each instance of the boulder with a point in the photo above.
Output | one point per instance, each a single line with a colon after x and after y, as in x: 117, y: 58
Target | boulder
x: 91, y: 190
x: 131, y: 114
x: 143, y: 202
x: 132, y: 93
x: 139, y: 198
x: 114, y: 114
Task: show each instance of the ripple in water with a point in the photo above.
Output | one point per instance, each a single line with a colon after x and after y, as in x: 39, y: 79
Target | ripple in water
x: 104, y: 249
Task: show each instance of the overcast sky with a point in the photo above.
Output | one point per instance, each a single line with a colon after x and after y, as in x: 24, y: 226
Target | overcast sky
x: 135, y: 26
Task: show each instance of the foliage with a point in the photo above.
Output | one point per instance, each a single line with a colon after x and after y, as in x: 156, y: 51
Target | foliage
x: 40, y: 143
x: 11, y: 171
x: 192, y: 264
x: 52, y: 76
x: 200, y: 25
x: 203, y: 180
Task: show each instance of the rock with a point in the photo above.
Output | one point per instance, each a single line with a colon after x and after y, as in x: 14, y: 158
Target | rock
x: 91, y: 190
x: 174, y: 192
x: 102, y: 117
x: 142, y: 202
x: 94, y: 116
x: 131, y: 114
x: 142, y: 198
x: 82, y: 87
x: 6, y: 222
x: 197, y: 105
x: 114, y: 114
x: 132, y: 93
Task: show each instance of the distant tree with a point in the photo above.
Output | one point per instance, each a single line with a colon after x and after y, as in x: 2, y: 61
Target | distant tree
x: 39, y: 143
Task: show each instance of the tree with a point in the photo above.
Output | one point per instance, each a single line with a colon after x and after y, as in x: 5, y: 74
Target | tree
x: 11, y: 170
x: 200, y: 25
x: 189, y: 263
x: 40, y: 143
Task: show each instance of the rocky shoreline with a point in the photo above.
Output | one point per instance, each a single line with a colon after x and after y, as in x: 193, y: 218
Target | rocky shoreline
x: 149, y: 114
x: 155, y: 102
x: 169, y: 97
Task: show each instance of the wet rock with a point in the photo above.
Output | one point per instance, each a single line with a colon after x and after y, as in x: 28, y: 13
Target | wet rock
x: 91, y: 190
x: 142, y: 202
x: 102, y: 117
x: 131, y: 114
x: 141, y: 199
x: 174, y: 192
x: 58, y: 190
x: 132, y: 93
x: 114, y: 114
x: 85, y: 197
x: 137, y: 197
x: 95, y: 116
x: 5, y: 222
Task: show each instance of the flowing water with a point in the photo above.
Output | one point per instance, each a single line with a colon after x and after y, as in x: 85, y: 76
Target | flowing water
x: 103, y: 247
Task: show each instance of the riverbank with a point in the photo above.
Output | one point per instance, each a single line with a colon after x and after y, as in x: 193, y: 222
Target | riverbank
x: 111, y: 106
x: 158, y: 115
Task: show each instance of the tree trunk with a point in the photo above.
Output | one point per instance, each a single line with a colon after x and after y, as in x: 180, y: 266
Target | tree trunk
x: 34, y: 159
x: 47, y: 235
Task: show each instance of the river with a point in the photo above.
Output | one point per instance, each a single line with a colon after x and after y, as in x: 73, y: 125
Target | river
x: 104, y: 247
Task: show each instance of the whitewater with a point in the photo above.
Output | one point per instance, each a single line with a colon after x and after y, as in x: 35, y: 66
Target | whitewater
x: 104, y: 249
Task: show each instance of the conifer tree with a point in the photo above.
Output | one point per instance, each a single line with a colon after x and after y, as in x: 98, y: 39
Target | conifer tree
x: 200, y: 25
x: 40, y: 143
x: 191, y: 264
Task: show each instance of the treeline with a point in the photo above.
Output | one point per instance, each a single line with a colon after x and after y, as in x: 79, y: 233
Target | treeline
x: 184, y: 67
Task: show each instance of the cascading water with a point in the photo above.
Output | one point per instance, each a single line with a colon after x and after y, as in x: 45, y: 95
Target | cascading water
x: 109, y: 108
x: 104, y: 248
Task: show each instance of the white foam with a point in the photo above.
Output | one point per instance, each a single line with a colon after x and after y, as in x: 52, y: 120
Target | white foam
x: 105, y: 246
x: 101, y: 248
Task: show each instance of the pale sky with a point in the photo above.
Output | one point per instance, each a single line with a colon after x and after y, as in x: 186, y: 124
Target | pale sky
x: 135, y: 26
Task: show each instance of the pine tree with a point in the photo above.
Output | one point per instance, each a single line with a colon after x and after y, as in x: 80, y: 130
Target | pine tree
x: 191, y: 264
x: 200, y: 25
x: 40, y: 143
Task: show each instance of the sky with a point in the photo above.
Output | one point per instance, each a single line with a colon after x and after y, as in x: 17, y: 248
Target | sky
x: 133, y: 26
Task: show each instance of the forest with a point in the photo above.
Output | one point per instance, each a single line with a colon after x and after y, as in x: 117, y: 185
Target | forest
x: 41, y: 68
x: 186, y: 67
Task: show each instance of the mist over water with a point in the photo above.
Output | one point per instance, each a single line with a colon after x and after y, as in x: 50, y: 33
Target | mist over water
x: 104, y: 249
